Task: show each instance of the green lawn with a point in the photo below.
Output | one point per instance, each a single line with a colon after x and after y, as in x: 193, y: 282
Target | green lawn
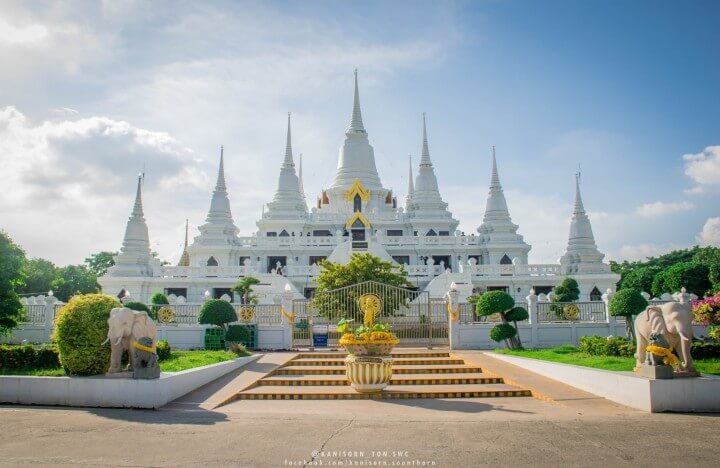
x: 568, y: 354
x: 179, y: 361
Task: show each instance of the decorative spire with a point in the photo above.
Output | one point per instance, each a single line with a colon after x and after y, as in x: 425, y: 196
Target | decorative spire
x: 411, y: 186
x: 579, y: 208
x: 425, y: 155
x: 185, y: 257
x: 288, y: 162
x: 582, y: 254
x: 220, y: 205
x: 356, y: 123
x: 494, y: 178
x: 134, y: 258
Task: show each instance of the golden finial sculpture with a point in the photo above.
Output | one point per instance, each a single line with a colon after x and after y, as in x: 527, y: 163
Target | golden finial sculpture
x: 370, y: 305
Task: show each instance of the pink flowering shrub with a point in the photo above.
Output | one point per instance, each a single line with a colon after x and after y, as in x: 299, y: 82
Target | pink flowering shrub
x: 707, y: 312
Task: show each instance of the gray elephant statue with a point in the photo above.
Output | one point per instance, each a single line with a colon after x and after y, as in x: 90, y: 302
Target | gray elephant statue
x: 144, y: 360
x: 672, y: 320
x: 125, y: 327
x: 655, y: 358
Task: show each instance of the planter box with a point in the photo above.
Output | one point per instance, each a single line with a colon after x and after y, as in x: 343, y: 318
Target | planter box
x: 100, y: 391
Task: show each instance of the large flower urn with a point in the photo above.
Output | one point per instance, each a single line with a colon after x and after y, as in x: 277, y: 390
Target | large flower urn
x: 368, y: 366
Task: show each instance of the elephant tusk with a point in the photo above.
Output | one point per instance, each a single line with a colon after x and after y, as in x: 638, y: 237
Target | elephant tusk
x: 106, y: 340
x: 117, y: 342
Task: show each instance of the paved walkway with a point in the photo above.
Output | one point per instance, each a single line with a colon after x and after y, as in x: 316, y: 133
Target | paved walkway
x: 577, y: 429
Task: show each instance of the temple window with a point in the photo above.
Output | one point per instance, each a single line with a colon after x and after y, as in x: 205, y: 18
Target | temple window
x: 431, y: 232
x: 284, y: 233
x: 505, y: 260
x: 212, y: 262
x: 595, y: 294
x: 357, y: 203
x: 444, y: 233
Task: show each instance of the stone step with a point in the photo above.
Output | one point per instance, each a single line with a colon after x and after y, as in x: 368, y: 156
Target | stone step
x: 402, y: 379
x: 266, y: 392
x: 398, y: 354
x: 397, y: 369
x: 419, y: 361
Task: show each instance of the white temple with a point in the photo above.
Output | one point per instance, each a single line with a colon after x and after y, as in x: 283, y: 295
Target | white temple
x: 355, y: 214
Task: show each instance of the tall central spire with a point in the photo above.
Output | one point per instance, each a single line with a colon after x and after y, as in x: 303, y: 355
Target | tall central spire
x: 357, y: 158
x: 426, y: 186
x: 288, y: 161
x: 220, y: 205
x: 425, y: 155
x: 356, y: 122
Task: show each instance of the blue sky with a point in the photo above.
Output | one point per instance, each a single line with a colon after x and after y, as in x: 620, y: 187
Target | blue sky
x: 626, y: 91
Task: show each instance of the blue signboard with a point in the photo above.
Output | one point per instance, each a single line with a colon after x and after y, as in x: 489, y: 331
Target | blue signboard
x: 320, y: 341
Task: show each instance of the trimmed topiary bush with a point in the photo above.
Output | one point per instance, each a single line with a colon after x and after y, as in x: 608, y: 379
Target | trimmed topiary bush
x: 626, y: 303
x: 140, y: 307
x: 14, y: 357
x: 217, y: 312
x: 493, y: 302
x: 80, y: 328
x: 157, y: 300
x: 163, y: 350
x: 500, y: 302
x: 517, y: 314
x: 502, y: 332
x: 237, y: 334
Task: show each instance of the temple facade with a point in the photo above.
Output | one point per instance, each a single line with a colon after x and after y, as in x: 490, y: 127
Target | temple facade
x: 355, y: 214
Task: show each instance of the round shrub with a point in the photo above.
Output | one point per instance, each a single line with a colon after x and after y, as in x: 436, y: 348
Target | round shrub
x: 493, y: 302
x: 163, y: 350
x: 627, y: 302
x: 140, y: 307
x: 501, y: 332
x: 517, y: 314
x: 80, y: 328
x: 237, y: 334
x: 217, y: 312
x: 157, y: 300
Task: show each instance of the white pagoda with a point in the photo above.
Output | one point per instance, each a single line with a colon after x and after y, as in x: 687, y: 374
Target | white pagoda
x: 355, y: 214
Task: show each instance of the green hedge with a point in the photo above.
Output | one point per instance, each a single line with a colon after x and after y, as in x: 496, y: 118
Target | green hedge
x: 14, y: 357
x: 619, y: 346
x: 610, y: 346
x: 163, y: 350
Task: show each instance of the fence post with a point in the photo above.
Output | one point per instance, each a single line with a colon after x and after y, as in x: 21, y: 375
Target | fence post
x: 49, y: 315
x: 453, y: 311
x: 609, y: 318
x: 532, y: 302
x: 287, y: 318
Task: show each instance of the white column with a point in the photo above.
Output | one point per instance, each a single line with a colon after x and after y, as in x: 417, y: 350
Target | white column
x: 532, y: 303
x: 49, y: 314
x: 286, y: 316
x: 451, y: 298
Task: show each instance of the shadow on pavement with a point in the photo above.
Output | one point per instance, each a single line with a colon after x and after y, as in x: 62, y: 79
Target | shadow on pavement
x: 458, y: 405
x: 195, y: 417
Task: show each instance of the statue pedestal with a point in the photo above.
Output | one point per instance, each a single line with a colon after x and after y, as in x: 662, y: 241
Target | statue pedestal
x: 120, y: 375
x: 685, y: 374
x: 655, y: 372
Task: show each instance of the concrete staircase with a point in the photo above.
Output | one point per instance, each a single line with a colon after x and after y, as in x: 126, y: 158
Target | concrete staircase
x: 416, y: 374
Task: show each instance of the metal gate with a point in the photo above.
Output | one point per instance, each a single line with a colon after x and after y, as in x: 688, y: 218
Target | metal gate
x: 414, y: 318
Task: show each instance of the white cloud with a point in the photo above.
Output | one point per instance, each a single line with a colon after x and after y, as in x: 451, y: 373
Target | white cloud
x: 13, y: 34
x: 703, y: 168
x: 649, y: 210
x: 68, y: 177
x: 710, y: 234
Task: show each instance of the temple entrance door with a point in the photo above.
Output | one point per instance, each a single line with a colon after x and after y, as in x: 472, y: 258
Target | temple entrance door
x: 358, y: 235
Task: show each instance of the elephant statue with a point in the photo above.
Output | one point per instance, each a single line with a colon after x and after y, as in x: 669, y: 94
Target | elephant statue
x: 672, y: 320
x: 125, y: 327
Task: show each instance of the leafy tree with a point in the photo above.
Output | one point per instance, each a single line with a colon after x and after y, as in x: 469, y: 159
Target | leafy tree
x: 217, y: 312
x: 626, y: 303
x: 74, y: 279
x: 39, y: 275
x: 360, y: 268
x: 500, y: 302
x: 99, y: 263
x: 244, y: 289
x: 12, y: 258
x: 157, y: 300
x: 693, y: 276
x: 640, y: 278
